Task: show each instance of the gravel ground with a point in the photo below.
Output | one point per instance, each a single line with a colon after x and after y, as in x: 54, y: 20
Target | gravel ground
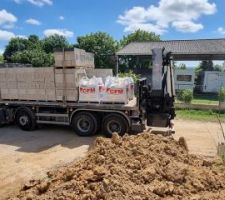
x: 202, y: 137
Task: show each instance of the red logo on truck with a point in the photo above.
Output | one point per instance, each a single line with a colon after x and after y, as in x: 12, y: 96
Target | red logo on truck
x: 115, y: 91
x: 87, y: 90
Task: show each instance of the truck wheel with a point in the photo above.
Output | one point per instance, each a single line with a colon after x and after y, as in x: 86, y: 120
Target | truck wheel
x: 25, y: 119
x: 84, y: 124
x: 114, y: 123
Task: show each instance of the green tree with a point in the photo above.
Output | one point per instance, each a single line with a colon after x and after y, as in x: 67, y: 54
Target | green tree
x: 36, y: 57
x: 102, y: 45
x: 185, y: 95
x: 33, y: 50
x: 54, y: 42
x: 222, y: 94
x: 21, y: 44
x: 139, y: 36
x: 14, y: 45
x: 34, y: 42
x: 131, y: 62
x: 206, y: 65
x: 182, y: 66
x: 218, y: 68
x: 1, y: 59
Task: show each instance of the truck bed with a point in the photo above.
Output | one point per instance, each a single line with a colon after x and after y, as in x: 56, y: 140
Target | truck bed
x: 131, y: 105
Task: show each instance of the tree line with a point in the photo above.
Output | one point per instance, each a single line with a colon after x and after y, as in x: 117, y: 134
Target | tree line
x: 39, y: 52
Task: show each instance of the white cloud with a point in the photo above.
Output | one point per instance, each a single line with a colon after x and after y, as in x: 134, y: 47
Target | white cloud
x: 145, y: 27
x: 7, y: 20
x: 63, y: 32
x: 39, y: 3
x: 6, y: 35
x: 1, y: 51
x: 180, y: 14
x: 221, y: 30
x: 33, y: 22
x: 17, y: 1
x: 187, y: 26
x: 61, y: 17
x: 22, y: 36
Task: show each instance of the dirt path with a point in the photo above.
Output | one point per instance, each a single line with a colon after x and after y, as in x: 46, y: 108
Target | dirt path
x: 24, y: 156
x: 202, y: 137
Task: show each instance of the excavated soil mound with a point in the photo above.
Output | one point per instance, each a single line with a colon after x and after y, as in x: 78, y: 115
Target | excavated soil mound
x: 137, y: 167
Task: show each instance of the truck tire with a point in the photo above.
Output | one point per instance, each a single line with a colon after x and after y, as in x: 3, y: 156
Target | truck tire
x: 84, y: 124
x: 25, y: 119
x: 114, y: 123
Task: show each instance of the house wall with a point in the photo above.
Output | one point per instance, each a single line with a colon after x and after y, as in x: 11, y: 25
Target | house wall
x: 184, y: 79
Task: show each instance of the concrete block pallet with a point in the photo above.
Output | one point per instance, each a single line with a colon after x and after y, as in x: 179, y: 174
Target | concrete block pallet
x: 41, y: 84
x: 74, y: 58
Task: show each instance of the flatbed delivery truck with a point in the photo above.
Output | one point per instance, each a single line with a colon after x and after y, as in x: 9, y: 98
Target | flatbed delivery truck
x: 52, y: 97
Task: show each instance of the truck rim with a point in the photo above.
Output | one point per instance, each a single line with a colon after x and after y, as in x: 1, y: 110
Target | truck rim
x: 113, y: 126
x: 23, y: 120
x: 83, y: 125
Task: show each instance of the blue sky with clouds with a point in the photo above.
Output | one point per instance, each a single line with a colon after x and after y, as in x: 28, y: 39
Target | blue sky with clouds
x: 172, y: 19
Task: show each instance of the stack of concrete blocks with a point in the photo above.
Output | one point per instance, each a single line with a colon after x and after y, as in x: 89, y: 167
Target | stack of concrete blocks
x: 67, y: 89
x: 8, y: 84
x: 27, y: 84
x: 59, y: 83
x: 40, y: 84
x: 74, y: 58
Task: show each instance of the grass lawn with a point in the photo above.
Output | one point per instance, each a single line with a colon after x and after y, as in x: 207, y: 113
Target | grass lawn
x: 206, y: 99
x: 209, y: 99
x: 199, y: 115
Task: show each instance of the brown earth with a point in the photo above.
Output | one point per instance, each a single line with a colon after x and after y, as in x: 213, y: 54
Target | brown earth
x: 138, y: 167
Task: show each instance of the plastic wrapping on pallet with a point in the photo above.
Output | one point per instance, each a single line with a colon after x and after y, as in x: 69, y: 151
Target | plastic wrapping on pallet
x: 129, y: 81
x: 116, y: 90
x: 131, y: 88
x: 91, y: 90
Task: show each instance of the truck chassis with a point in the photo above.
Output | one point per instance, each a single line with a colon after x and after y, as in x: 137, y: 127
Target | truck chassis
x: 85, y: 118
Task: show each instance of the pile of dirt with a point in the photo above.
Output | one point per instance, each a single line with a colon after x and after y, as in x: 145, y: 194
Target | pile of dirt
x: 141, y: 167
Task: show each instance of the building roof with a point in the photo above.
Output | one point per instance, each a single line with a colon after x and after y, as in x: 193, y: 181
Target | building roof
x: 202, y: 49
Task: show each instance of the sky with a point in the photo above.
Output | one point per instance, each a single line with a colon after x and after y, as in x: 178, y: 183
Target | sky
x: 172, y: 19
